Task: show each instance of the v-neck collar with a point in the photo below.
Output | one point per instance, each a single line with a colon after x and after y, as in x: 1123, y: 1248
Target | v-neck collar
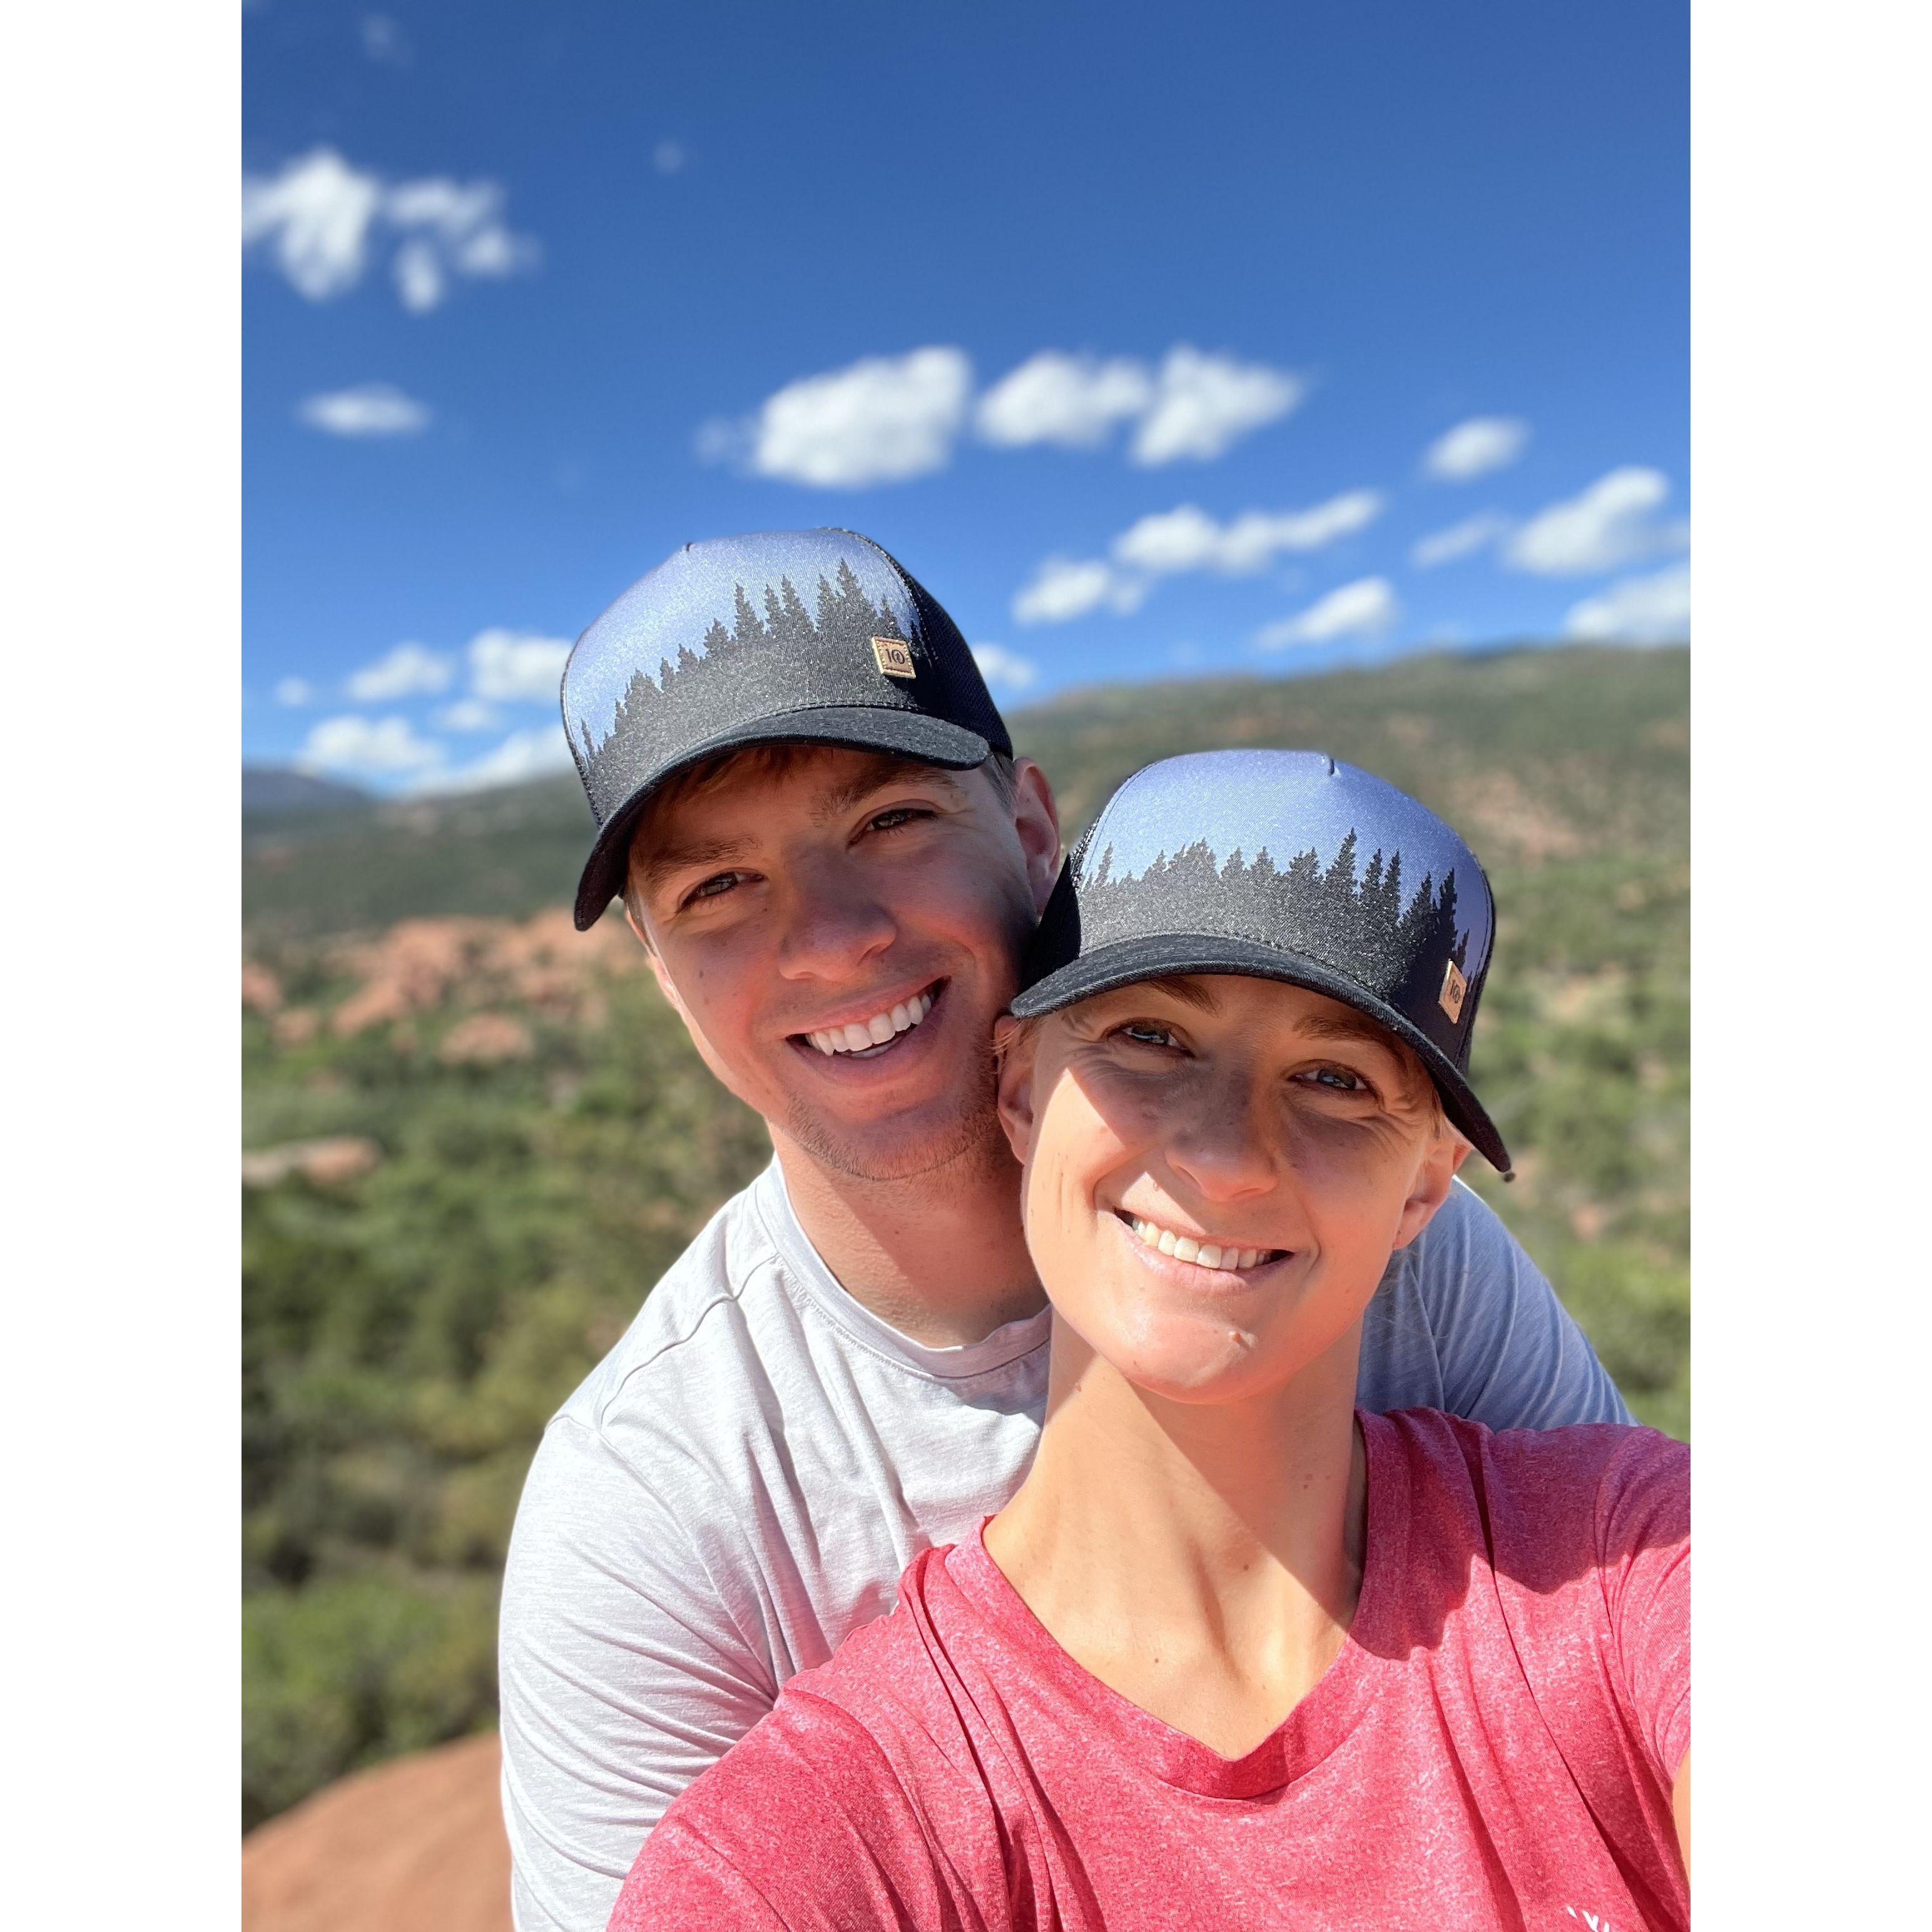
x: 1319, y: 1723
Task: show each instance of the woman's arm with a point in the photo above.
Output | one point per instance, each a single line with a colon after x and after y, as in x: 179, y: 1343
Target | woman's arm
x: 1680, y: 1808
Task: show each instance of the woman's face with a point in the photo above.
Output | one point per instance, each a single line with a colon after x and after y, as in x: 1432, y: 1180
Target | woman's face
x: 1217, y: 1169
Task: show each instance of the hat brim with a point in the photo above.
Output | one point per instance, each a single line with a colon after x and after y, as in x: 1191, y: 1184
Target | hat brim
x: 1156, y: 955
x: 910, y: 734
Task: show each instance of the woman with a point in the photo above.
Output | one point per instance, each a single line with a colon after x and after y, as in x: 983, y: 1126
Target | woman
x: 1237, y: 1655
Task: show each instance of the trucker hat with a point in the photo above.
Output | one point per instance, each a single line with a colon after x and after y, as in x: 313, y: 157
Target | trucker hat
x: 1281, y: 865
x: 817, y: 636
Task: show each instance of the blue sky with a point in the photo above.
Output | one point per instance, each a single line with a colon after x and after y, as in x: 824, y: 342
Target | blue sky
x: 1131, y: 333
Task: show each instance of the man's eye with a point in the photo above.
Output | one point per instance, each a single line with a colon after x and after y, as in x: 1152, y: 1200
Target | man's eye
x: 715, y: 887
x: 1145, y: 1033
x: 898, y: 815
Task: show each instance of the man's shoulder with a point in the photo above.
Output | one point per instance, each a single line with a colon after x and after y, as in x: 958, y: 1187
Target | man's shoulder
x: 1586, y: 1487
x: 698, y: 1321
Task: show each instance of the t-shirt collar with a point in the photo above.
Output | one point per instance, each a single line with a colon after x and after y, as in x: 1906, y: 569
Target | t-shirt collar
x: 1317, y: 1726
x: 808, y: 1272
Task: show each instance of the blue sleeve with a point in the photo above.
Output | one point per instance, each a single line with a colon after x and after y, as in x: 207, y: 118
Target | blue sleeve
x: 1464, y: 1321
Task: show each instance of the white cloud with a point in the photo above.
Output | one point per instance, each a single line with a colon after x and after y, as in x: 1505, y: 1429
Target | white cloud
x: 1064, y: 587
x: 888, y: 418
x: 367, y: 744
x: 1072, y: 401
x: 1004, y: 668
x: 1609, y: 524
x: 295, y: 692
x: 384, y: 41
x: 668, y: 157
x: 370, y: 408
x: 533, y: 754
x: 466, y: 714
x: 315, y: 217
x: 1475, y: 447
x: 517, y: 667
x: 1459, y: 540
x: 421, y: 284
x: 1204, y: 404
x: 408, y: 669
x: 453, y: 228
x: 1188, y: 538
x: 1637, y: 610
x: 1364, y: 609
x: 883, y: 420
x: 320, y: 219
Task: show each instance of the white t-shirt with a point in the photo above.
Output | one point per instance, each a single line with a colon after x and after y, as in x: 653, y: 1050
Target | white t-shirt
x: 741, y: 1480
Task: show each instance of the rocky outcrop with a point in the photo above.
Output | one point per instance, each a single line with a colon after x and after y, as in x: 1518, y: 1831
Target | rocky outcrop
x: 410, y: 1844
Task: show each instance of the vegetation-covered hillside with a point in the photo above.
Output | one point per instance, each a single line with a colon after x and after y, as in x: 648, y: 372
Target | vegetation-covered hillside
x: 475, y: 1137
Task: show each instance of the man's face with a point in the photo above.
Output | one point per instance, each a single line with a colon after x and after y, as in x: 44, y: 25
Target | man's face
x: 1217, y: 1169
x: 839, y: 934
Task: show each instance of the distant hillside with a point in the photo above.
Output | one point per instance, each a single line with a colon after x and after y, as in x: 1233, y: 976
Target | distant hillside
x: 1597, y: 736
x: 271, y: 791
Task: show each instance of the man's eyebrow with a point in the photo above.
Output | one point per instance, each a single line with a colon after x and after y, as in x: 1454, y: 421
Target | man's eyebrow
x: 658, y: 865
x: 861, y: 785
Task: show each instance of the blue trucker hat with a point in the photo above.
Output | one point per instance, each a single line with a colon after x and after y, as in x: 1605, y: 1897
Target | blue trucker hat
x: 817, y: 636
x: 1281, y: 865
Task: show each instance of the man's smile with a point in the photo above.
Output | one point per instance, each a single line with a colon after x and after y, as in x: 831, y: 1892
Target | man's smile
x: 876, y: 1034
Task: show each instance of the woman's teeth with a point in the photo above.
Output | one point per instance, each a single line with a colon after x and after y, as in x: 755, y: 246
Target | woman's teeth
x: 875, y: 1031
x: 1202, y: 1254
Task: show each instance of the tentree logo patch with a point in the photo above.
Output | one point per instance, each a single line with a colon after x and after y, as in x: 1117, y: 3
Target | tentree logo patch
x: 895, y: 658
x: 1454, y: 988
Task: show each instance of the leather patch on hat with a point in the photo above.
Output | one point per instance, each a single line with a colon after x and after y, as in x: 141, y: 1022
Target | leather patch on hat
x: 1454, y: 987
x: 895, y: 657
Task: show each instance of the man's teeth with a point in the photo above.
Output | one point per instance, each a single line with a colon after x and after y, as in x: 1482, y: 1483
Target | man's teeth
x: 1203, y: 1254
x: 877, y: 1030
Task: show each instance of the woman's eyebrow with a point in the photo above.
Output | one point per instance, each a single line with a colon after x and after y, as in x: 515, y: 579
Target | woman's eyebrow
x: 1321, y: 1026
x: 1189, y: 992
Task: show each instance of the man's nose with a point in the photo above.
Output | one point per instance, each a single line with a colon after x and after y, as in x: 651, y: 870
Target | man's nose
x: 830, y: 928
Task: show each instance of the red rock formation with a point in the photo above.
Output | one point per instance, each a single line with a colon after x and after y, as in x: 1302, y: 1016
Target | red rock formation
x: 413, y: 1843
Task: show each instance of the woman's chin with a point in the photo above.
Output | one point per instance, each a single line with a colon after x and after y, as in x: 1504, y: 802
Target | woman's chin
x: 1224, y: 1365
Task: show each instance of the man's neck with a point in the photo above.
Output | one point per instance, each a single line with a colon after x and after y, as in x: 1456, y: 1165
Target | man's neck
x: 939, y: 1256
x: 1203, y: 1560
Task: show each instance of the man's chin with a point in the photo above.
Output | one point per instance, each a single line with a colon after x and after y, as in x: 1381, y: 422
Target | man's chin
x: 914, y: 1142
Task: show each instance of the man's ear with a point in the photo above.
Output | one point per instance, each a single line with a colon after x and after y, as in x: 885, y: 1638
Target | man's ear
x: 1036, y: 820
x: 1013, y: 1044
x: 1433, y: 1180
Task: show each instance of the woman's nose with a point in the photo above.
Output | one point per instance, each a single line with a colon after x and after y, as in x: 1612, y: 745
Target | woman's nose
x: 1219, y: 1148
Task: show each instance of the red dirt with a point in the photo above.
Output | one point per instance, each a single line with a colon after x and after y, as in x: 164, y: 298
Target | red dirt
x: 414, y: 1843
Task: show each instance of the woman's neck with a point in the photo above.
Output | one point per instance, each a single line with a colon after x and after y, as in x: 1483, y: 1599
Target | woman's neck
x: 1202, y: 1560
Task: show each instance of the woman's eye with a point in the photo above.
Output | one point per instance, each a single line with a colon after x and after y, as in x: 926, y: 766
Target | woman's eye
x: 899, y: 815
x: 1144, y: 1032
x: 1335, y: 1079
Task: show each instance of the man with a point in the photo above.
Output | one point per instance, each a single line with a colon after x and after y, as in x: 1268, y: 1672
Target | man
x: 812, y: 808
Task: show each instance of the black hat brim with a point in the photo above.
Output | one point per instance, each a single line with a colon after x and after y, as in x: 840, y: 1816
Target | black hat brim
x: 910, y: 734
x: 1160, y: 955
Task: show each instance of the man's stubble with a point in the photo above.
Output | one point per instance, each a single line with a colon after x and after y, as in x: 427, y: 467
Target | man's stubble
x: 969, y: 1143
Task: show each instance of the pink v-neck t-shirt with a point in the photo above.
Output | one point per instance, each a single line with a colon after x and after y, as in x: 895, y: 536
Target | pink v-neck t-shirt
x: 1495, y: 1746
